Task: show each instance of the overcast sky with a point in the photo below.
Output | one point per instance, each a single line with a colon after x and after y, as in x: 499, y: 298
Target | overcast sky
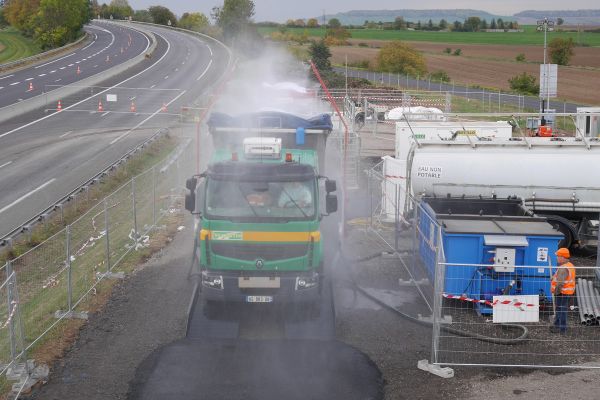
x: 281, y: 10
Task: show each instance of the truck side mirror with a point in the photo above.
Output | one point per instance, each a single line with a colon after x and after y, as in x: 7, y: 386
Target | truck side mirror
x: 191, y: 183
x: 190, y: 201
x: 331, y: 203
x: 330, y: 186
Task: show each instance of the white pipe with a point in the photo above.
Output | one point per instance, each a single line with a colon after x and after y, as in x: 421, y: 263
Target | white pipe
x: 597, y: 295
x: 582, y: 297
x: 593, y: 299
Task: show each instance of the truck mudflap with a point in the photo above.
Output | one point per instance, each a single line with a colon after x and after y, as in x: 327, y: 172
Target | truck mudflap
x: 288, y: 288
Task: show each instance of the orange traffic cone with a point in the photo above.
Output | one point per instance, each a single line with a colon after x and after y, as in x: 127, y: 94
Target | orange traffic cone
x: 132, y: 108
x: 78, y: 70
x: 100, y: 108
x: 164, y: 108
x: 30, y: 87
x: 107, y: 58
x: 59, y: 106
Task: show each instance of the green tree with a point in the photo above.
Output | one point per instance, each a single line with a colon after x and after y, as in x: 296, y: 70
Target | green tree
x: 319, y: 54
x: 493, y: 24
x: 520, y: 57
x: 193, y: 21
x: 60, y: 21
x: 397, y: 57
x: 500, y: 23
x: 430, y: 25
x: 312, y: 23
x: 142, y: 16
x: 561, y: 50
x: 120, y: 9
x: 162, y: 15
x: 3, y: 21
x: 334, y: 23
x: 472, y: 24
x: 443, y: 24
x: 399, y: 23
x: 524, y: 83
x: 20, y: 13
x: 233, y: 17
x: 457, y: 26
x: 560, y: 21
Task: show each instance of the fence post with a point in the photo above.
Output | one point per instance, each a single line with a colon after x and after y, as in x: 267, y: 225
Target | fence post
x: 106, y: 225
x: 69, y: 271
x: 135, y: 229
x: 9, y: 291
x: 154, y: 195
x: 396, y: 216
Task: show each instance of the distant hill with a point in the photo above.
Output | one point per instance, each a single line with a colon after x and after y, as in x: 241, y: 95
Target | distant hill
x: 358, y: 17
x: 571, y: 17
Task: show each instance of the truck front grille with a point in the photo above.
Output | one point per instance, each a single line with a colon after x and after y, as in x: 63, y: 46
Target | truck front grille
x: 255, y: 251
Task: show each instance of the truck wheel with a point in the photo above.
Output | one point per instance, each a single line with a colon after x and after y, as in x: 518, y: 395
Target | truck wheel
x: 359, y: 121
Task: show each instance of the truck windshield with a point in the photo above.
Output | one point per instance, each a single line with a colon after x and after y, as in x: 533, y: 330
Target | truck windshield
x: 284, y: 201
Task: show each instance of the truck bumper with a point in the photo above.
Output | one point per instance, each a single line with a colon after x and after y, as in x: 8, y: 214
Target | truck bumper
x: 289, y: 290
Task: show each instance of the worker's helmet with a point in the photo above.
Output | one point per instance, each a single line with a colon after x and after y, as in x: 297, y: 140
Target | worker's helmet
x: 563, y: 252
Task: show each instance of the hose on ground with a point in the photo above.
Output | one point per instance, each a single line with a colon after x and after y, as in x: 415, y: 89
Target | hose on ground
x: 458, y: 332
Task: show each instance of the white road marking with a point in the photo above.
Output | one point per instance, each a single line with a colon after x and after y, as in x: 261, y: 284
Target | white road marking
x: 29, y: 79
x: 7, y: 76
x: 95, y: 66
x: 58, y: 59
x: 5, y: 164
x: 152, y: 87
x: 144, y: 121
x: 58, y: 80
x: 205, y: 71
x: 65, y: 134
x: 62, y: 67
x: 70, y: 65
x: 209, y: 49
x: 167, y: 77
x: 20, y: 199
x: 53, y: 71
x: 1, y: 87
x: 132, y: 98
x: 106, y: 113
x: 97, y: 94
x: 40, y: 75
x: 14, y: 83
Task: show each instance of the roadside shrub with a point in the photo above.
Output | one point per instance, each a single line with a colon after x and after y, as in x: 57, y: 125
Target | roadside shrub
x: 400, y: 58
x: 520, y: 57
x: 457, y: 52
x: 524, y: 83
x: 447, y: 50
x: 362, y: 44
x: 439, y: 76
x: 561, y: 50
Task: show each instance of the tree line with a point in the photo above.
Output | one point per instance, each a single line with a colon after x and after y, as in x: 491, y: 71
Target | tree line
x: 54, y: 23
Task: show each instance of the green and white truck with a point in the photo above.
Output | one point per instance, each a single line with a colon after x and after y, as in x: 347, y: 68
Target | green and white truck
x: 260, y: 205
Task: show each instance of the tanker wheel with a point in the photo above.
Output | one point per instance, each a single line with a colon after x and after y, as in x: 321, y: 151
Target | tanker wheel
x: 359, y: 121
x: 563, y: 228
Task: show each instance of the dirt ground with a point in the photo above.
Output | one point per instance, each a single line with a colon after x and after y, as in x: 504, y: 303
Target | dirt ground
x: 476, y: 67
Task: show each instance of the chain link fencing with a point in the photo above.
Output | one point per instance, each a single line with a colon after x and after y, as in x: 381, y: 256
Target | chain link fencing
x: 479, y: 316
x: 52, y: 281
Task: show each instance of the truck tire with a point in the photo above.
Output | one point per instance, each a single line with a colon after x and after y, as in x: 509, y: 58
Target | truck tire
x: 565, y: 227
x: 359, y: 121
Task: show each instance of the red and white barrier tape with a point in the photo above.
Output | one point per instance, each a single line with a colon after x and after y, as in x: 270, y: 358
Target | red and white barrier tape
x: 395, y: 176
x: 516, y: 303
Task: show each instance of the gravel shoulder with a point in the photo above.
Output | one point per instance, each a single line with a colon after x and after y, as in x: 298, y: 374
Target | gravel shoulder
x: 146, y: 310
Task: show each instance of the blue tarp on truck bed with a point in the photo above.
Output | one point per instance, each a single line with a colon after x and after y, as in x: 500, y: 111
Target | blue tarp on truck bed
x: 269, y: 119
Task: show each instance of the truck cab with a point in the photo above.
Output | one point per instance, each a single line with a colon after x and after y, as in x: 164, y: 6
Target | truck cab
x: 260, y: 206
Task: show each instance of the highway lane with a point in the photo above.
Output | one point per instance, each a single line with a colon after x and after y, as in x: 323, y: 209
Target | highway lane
x: 109, y: 46
x: 44, y: 159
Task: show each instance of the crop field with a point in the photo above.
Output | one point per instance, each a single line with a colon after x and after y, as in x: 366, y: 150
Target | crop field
x: 529, y: 37
x: 576, y: 84
x: 14, y: 46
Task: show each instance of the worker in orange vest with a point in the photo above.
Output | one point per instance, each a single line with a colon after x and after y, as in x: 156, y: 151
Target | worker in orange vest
x: 563, y: 288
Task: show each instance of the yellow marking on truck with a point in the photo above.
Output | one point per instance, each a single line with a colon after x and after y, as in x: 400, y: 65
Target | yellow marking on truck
x: 257, y: 236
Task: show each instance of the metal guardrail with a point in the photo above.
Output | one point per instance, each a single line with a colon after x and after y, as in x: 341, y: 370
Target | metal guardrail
x: 28, y: 225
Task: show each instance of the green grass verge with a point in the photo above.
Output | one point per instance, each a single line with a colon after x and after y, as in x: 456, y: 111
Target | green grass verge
x: 16, y: 46
x: 529, y: 37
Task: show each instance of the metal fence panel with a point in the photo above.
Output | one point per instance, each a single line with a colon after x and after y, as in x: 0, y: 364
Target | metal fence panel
x: 41, y: 276
x: 509, y: 320
x: 122, y: 235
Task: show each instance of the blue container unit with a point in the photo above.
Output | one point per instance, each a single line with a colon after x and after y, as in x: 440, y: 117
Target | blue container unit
x: 500, y: 234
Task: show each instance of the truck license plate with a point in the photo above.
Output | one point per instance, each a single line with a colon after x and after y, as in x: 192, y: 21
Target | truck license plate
x: 259, y: 299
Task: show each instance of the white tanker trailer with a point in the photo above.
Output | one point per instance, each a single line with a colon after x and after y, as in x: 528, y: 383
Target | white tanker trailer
x: 559, y: 179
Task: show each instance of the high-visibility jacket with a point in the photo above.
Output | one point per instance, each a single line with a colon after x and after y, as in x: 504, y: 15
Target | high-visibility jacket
x: 568, y: 286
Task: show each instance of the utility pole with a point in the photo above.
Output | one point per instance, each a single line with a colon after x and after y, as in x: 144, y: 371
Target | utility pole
x: 546, y: 26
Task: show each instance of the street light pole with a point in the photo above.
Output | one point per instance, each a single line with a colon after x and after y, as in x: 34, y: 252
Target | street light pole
x: 545, y: 25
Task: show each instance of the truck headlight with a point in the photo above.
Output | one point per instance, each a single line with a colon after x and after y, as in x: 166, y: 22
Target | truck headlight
x: 212, y: 281
x: 307, y: 282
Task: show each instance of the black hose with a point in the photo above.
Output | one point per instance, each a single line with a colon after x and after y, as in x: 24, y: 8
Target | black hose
x: 457, y: 332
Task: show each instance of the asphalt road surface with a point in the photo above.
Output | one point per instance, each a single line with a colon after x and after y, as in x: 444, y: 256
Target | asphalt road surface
x: 46, y: 154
